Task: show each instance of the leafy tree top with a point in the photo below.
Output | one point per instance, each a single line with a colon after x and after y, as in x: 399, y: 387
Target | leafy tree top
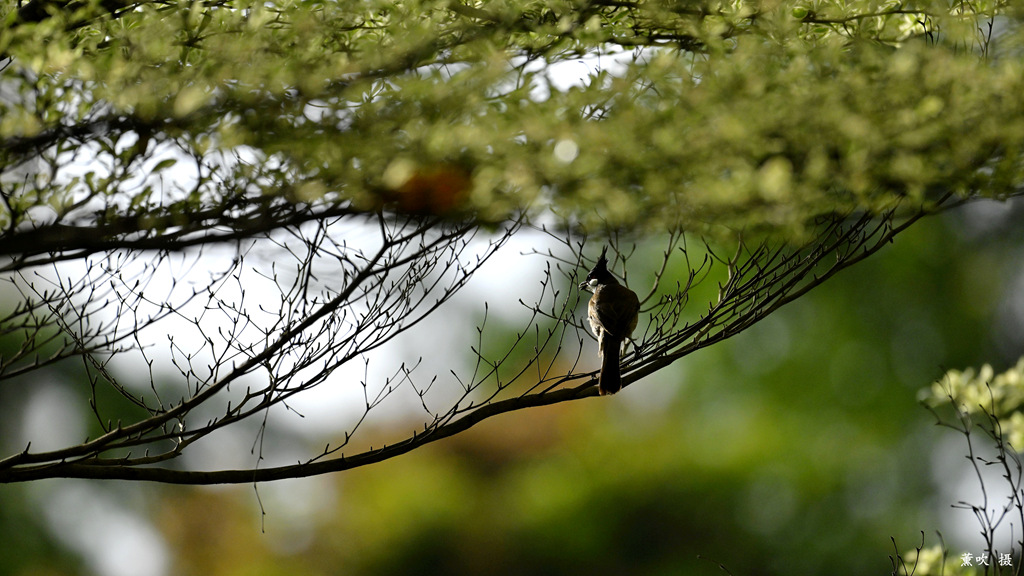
x: 697, y: 114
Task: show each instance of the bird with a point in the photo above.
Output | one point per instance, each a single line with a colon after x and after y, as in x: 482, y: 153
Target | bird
x: 613, y: 312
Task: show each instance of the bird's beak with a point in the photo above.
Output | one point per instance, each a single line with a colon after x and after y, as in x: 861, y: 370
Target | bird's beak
x: 584, y: 285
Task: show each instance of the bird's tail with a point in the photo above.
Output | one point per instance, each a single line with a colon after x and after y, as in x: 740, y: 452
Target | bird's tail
x: 610, y: 380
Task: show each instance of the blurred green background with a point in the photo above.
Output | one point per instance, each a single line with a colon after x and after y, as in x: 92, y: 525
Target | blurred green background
x: 796, y: 448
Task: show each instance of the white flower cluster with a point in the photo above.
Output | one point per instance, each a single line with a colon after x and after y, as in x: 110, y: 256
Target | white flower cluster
x: 983, y: 392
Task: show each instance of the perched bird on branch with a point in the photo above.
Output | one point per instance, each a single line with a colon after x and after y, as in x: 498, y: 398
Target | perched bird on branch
x: 613, y: 313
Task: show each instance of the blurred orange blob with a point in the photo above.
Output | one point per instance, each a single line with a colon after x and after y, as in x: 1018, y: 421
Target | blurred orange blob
x: 436, y: 190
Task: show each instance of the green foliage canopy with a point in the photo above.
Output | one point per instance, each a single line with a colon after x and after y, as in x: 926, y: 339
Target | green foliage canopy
x: 696, y: 113
x: 131, y: 130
